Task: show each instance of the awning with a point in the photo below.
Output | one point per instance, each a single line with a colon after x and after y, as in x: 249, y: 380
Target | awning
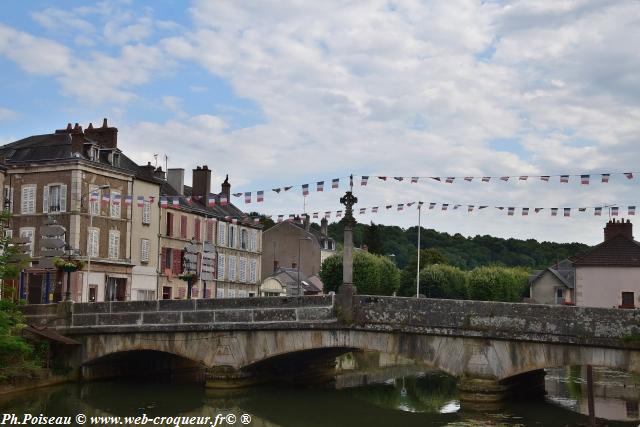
x: 49, y: 334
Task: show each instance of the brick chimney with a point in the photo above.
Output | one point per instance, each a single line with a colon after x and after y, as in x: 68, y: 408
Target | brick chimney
x: 323, y: 226
x: 105, y: 136
x: 201, y: 180
x: 147, y: 170
x: 614, y: 228
x: 175, y: 178
x: 226, y: 189
x: 306, y: 222
x: 276, y: 265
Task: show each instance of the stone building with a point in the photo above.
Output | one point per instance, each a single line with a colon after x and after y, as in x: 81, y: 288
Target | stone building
x: 189, y: 217
x: 287, y: 241
x: 553, y: 285
x: 56, y: 176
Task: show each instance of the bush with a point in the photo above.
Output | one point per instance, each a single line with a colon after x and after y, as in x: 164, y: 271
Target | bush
x: 497, y: 284
x: 372, y: 274
x: 443, y: 281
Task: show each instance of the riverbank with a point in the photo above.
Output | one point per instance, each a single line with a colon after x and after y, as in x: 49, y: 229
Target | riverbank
x: 45, y: 379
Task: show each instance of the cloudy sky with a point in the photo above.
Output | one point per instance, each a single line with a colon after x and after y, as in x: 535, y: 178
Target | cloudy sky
x: 287, y: 93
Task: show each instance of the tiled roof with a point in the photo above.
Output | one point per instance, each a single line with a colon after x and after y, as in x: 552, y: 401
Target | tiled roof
x: 619, y: 251
x: 201, y: 207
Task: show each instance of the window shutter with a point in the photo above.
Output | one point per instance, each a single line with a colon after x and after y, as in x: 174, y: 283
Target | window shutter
x: 89, y: 242
x: 163, y: 260
x: 63, y: 198
x: 243, y: 269
x: 232, y: 268
x: 169, y: 224
x: 177, y: 261
x: 144, y: 250
x: 26, y: 201
x: 252, y: 274
x: 221, y: 266
x: 146, y: 212
x: 45, y: 199
x: 183, y: 226
x: 196, y: 232
x: 254, y: 240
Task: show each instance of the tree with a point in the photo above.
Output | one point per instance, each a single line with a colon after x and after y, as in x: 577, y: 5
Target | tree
x: 497, y: 284
x: 372, y: 274
x: 408, y: 276
x: 372, y: 239
x: 443, y: 281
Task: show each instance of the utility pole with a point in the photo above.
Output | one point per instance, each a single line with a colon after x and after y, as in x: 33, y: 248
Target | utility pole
x: 418, y: 265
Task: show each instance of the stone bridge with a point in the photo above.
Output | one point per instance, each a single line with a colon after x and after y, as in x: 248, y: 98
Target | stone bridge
x: 494, y: 348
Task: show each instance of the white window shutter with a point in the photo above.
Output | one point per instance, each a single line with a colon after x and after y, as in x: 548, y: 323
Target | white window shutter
x: 220, y: 266
x: 63, y: 198
x: 24, y: 200
x: 45, y: 199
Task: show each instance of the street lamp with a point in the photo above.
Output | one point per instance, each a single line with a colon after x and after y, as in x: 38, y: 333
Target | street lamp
x: 300, y: 260
x: 69, y: 253
x: 100, y: 187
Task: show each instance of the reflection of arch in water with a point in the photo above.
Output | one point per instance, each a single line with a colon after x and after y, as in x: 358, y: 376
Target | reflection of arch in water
x: 149, y: 364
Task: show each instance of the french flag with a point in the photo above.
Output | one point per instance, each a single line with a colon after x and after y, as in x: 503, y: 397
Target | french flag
x: 564, y: 179
x: 320, y: 186
x: 554, y: 211
x: 598, y: 211
x: 93, y: 197
x: 140, y: 201
x: 327, y: 214
x: 362, y: 211
x: 247, y: 197
x: 374, y: 209
x: 176, y: 202
x: 223, y: 201
x: 545, y: 178
x: 128, y: 199
x: 211, y: 201
x: 335, y: 183
x: 632, y: 210
x: 260, y: 196
x: 605, y: 177
x: 525, y: 211
x: 510, y: 211
x: 364, y: 181
x: 163, y: 202
x: 567, y: 211
x: 305, y: 189
x: 414, y: 180
x: 629, y: 175
x: 401, y: 206
x: 116, y: 199
x: 584, y: 179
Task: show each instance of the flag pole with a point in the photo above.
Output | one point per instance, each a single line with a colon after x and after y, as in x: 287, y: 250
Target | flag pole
x: 418, y: 266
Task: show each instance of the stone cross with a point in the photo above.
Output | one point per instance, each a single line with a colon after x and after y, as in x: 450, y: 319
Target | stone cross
x: 348, y: 200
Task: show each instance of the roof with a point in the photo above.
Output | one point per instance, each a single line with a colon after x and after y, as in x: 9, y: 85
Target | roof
x: 618, y: 251
x: 317, y: 234
x: 289, y: 278
x: 563, y: 271
x: 201, y: 207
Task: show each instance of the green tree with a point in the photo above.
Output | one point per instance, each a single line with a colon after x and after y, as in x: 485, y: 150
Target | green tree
x: 408, y: 275
x: 372, y: 239
x: 372, y: 274
x: 497, y: 284
x: 443, y: 281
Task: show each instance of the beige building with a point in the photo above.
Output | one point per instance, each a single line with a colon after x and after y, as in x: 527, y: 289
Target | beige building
x: 234, y: 265
x: 80, y: 179
x: 296, y: 243
x: 553, y: 285
x: 609, y: 274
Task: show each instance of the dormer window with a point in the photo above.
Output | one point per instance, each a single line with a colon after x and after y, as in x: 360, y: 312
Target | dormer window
x: 115, y: 160
x: 93, y: 153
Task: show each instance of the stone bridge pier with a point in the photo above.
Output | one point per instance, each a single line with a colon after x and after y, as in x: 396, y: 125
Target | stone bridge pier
x: 496, y: 350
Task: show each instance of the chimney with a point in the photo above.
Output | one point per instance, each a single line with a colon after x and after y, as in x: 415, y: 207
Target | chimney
x: 226, y: 189
x: 105, y: 136
x: 620, y: 227
x: 306, y: 222
x: 323, y: 226
x: 175, y: 178
x: 159, y: 173
x: 147, y: 170
x: 276, y: 265
x: 201, y: 180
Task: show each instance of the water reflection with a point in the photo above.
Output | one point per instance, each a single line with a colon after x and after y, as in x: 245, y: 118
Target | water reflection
x: 424, y: 399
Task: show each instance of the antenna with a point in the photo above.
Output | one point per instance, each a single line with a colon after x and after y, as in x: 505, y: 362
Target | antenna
x: 155, y: 156
x: 166, y: 163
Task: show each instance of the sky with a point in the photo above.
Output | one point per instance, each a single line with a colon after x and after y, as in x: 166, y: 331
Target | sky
x: 280, y: 93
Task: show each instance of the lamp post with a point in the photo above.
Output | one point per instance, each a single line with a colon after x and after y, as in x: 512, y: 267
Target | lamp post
x: 101, y: 187
x: 69, y: 253
x: 418, y: 265
x: 300, y: 260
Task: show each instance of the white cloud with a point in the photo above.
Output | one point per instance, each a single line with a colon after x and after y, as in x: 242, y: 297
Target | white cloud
x: 7, y: 114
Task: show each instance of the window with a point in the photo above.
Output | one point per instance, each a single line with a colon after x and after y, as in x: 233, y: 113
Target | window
x: 253, y: 271
x: 209, y: 238
x: 54, y: 198
x: 93, y: 293
x: 146, y: 295
x: 627, y: 300
x: 196, y: 229
x: 243, y: 269
x: 232, y: 236
x: 93, y: 242
x: 144, y: 250
x: 166, y: 292
x: 242, y: 294
x: 8, y: 199
x: 219, y: 293
x: 116, y: 159
x: 183, y: 226
x: 232, y: 268
x: 28, y: 199
x: 222, y: 228
x: 559, y: 295
x: 167, y: 261
x: 231, y: 293
x: 220, y: 266
x: 114, y: 244
x: 253, y: 245
x: 93, y: 153
x: 8, y: 233
x: 146, y: 212
x: 244, y: 239
x: 94, y: 206
x: 29, y: 233
x: 116, y: 201
x: 169, y: 224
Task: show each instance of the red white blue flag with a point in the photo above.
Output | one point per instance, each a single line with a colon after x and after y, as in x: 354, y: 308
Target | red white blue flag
x: 94, y: 196
x: 247, y: 197
x: 449, y: 180
x: 116, y: 199
x: 320, y: 186
x: 335, y: 183
x: 128, y: 199
x: 525, y: 211
x: 504, y: 178
x: 401, y: 206
x: 364, y: 181
x: 374, y: 209
x: 614, y: 211
x: 598, y: 211
x: 260, y: 196
x: 414, y: 180
x: 632, y: 210
x: 362, y: 211
x: 510, y: 211
x: 486, y: 178
x: 554, y: 211
x: 223, y: 201
x: 163, y: 202
x: 398, y: 178
x: 305, y: 189
x: 629, y: 175
x: 432, y: 205
x: 140, y: 201
x: 584, y: 179
x: 468, y: 178
x: 176, y: 202
x: 564, y: 179
x: 605, y: 177
x: 545, y: 178
x: 211, y: 201
x: 567, y: 211
x: 338, y: 214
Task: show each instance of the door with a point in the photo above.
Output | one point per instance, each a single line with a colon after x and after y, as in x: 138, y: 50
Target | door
x: 166, y: 292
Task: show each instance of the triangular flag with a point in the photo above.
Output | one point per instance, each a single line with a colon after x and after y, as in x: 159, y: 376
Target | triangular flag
x: 504, y: 178
x: 468, y: 178
x: 449, y: 180
x: 629, y: 175
x: 238, y: 194
x: 437, y: 178
x: 470, y: 208
x: 384, y: 178
x: 398, y: 178
x: 277, y: 190
x: 523, y: 178
x: 287, y: 188
x: 486, y: 178
x: 536, y: 210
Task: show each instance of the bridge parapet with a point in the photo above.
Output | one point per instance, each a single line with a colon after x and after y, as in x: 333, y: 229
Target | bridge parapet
x: 512, y: 321
x: 182, y: 314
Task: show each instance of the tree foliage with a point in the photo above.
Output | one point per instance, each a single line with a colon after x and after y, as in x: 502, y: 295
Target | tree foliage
x: 372, y: 274
x: 444, y: 281
x: 408, y: 275
x: 497, y: 284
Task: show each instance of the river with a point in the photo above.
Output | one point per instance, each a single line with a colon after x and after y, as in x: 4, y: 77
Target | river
x: 417, y: 399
